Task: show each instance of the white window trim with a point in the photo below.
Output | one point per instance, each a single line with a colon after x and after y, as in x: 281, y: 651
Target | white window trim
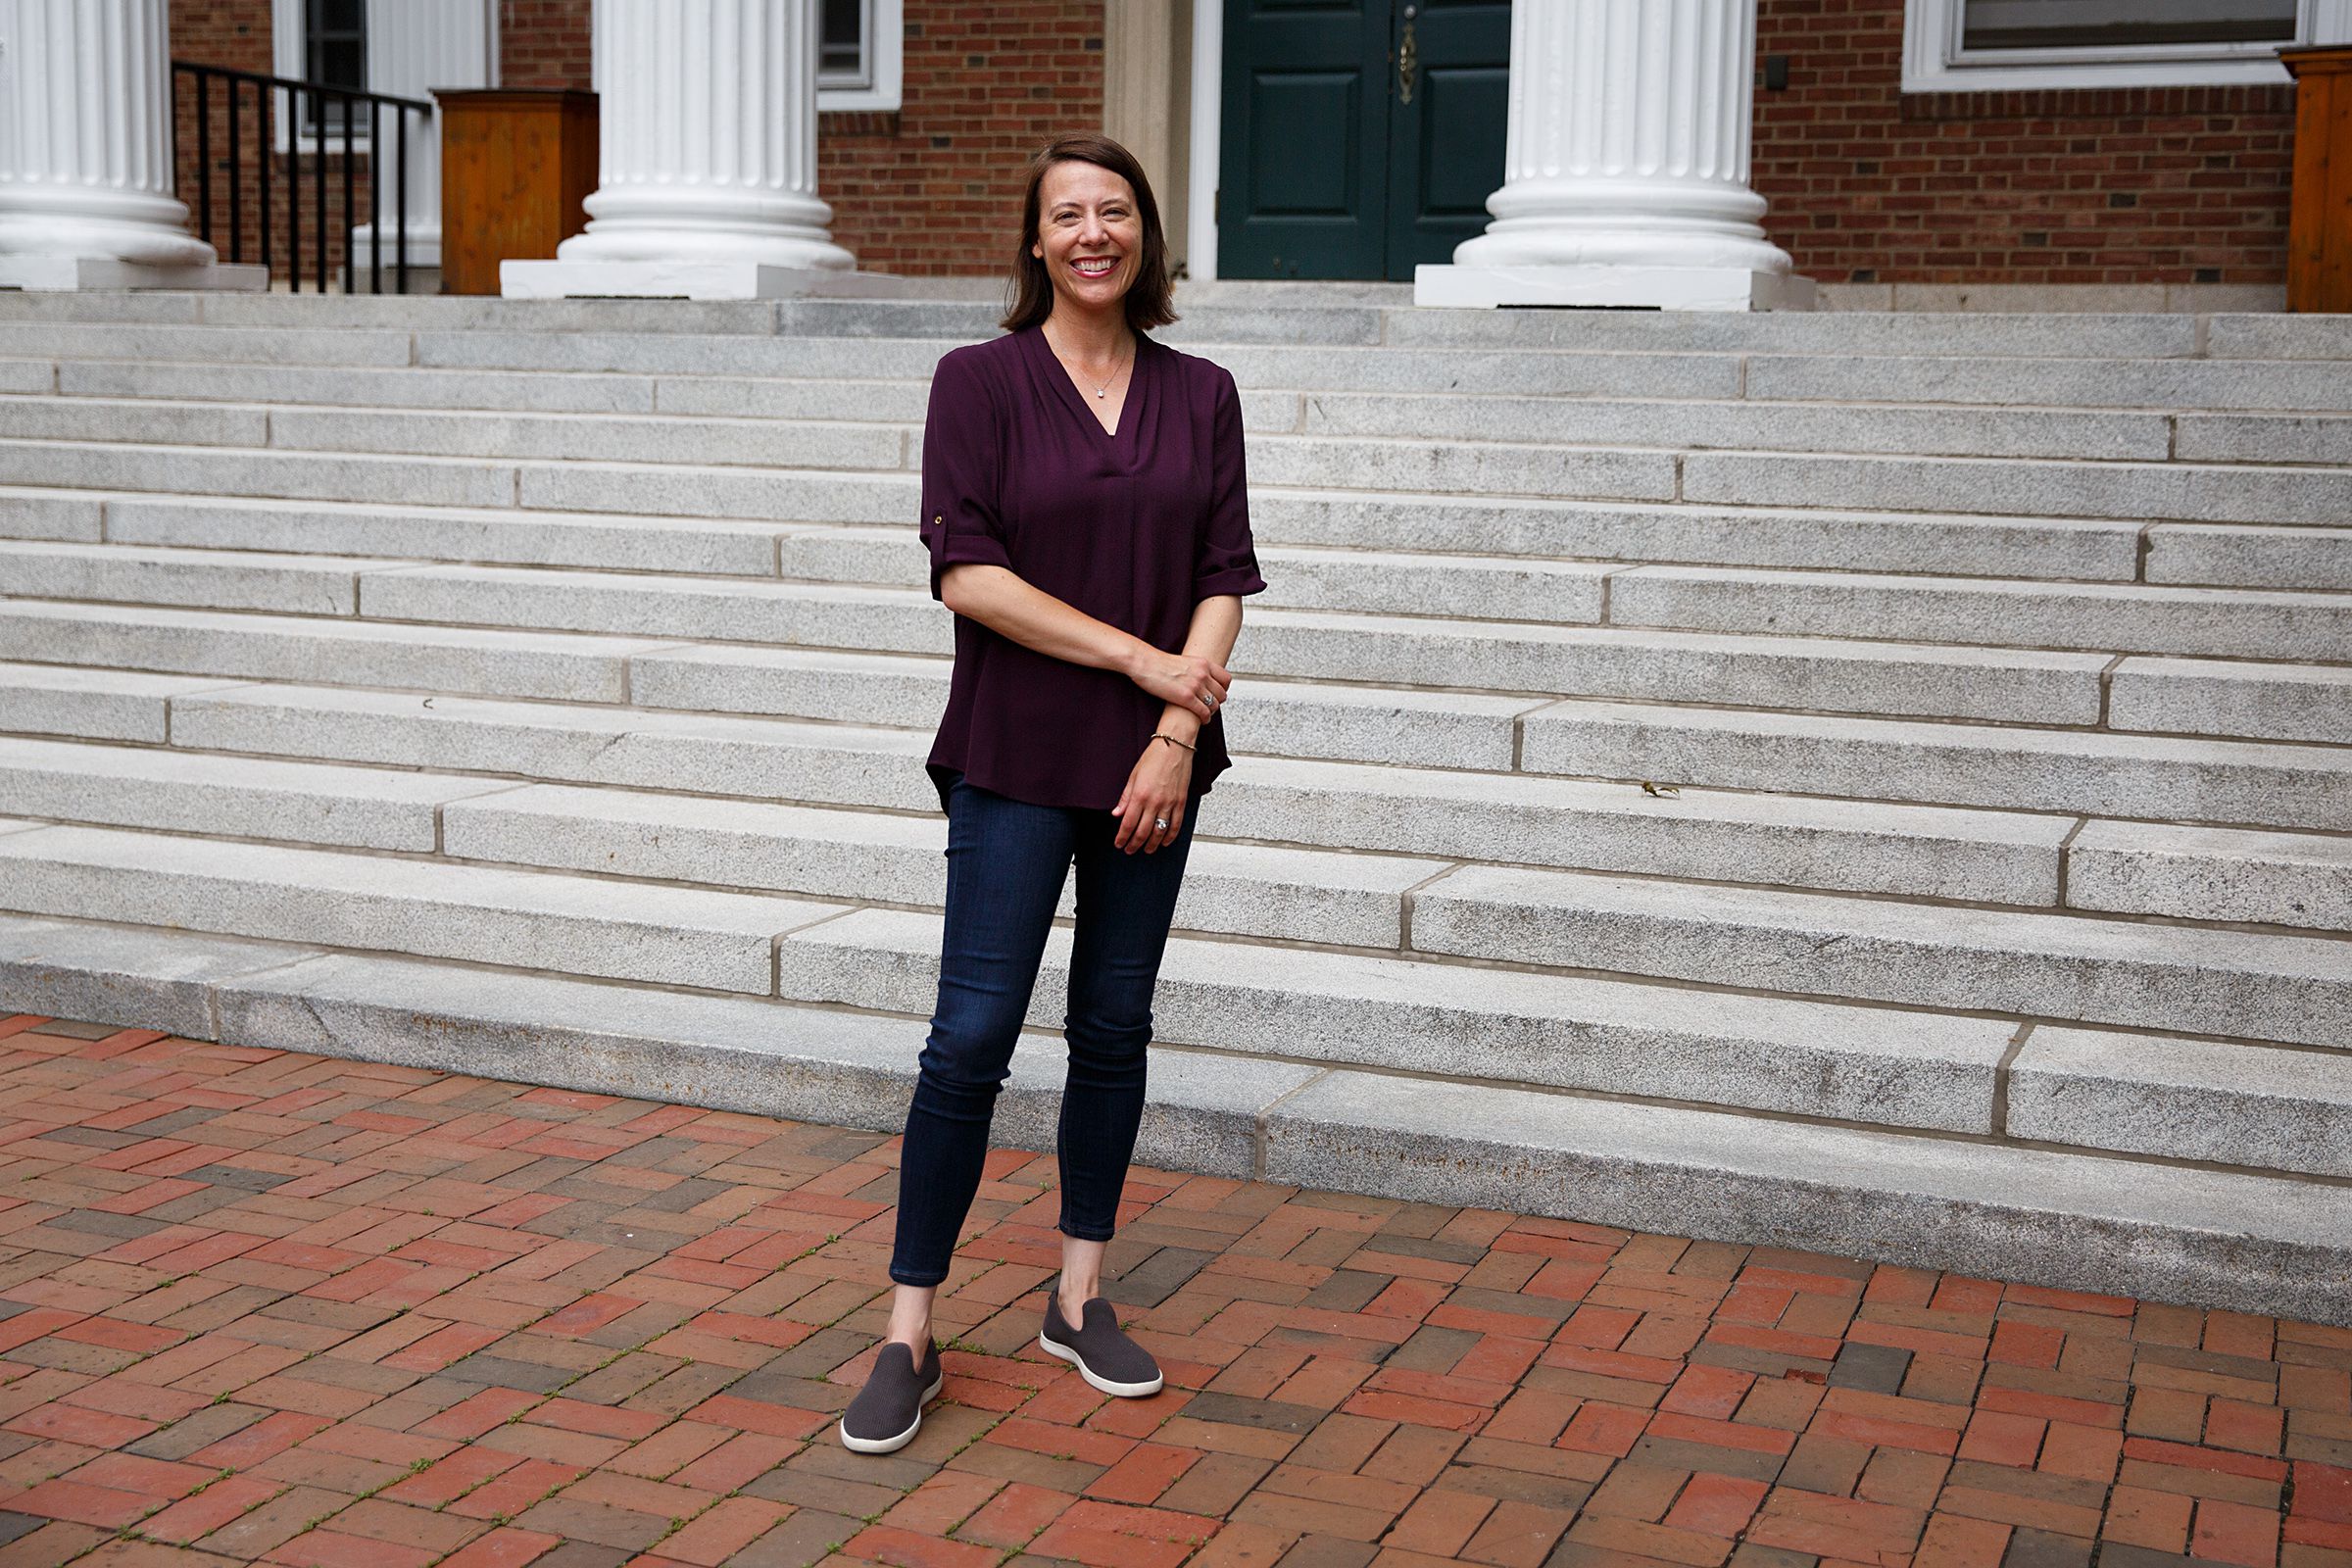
x: 886, y: 43
x: 1932, y: 60
x: 286, y: 56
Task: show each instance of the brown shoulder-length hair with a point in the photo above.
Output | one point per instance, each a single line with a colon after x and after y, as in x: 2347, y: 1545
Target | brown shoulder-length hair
x: 1148, y: 299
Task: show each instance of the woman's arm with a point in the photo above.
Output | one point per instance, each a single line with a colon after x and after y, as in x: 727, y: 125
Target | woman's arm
x: 1216, y: 625
x: 1000, y: 600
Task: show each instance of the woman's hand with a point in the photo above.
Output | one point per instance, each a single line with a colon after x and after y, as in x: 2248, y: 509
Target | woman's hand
x: 1188, y: 681
x: 1157, y: 787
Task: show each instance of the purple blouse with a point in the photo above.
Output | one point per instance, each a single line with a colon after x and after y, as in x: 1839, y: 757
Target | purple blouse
x: 1133, y: 529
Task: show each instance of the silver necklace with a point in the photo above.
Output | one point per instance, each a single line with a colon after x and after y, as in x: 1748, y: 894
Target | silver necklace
x: 1103, y: 389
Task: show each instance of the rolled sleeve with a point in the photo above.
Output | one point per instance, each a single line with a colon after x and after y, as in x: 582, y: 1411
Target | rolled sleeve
x: 1227, y: 562
x: 961, y: 524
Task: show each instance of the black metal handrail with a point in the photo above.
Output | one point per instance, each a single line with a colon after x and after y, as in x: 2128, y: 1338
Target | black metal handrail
x: 233, y: 82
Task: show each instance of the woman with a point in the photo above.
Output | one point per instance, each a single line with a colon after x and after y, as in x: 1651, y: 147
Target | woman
x: 1085, y: 508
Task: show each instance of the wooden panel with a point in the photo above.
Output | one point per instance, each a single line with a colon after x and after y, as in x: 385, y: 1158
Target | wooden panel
x: 516, y: 168
x: 1303, y: 187
x: 2319, y: 235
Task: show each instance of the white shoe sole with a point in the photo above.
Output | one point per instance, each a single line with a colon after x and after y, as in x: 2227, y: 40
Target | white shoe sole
x: 891, y: 1444
x: 1124, y: 1390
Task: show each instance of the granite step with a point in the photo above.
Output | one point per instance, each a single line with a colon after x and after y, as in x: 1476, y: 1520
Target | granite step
x: 2165, y: 492
x: 2290, y: 880
x: 205, y: 579
x: 170, y: 790
x: 423, y: 658
x: 1876, y: 1066
x: 1628, y: 531
x: 1450, y: 1020
x: 2228, y: 624
x: 660, y: 935
x: 1647, y: 461
x: 93, y: 704
x: 2266, y: 702
x: 2243, y: 556
x: 2285, y: 385
x: 560, y: 414
x: 2073, y: 969
x: 2162, y: 778
x: 1375, y: 468
x: 1431, y: 814
x: 1387, y: 650
x: 2194, y: 873
x: 1343, y: 899
x: 2251, y: 1242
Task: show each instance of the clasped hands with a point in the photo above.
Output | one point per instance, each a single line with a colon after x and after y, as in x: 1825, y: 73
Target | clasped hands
x: 1151, y: 809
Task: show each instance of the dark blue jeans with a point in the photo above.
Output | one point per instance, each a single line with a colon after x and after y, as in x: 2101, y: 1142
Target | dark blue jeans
x: 1006, y: 862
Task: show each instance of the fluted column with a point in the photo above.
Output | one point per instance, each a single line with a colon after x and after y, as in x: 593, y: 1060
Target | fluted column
x: 1625, y: 178
x: 707, y: 183
x: 85, y: 151
x: 413, y: 47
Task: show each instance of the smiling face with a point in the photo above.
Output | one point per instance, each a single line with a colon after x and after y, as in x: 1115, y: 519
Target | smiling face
x: 1090, y: 235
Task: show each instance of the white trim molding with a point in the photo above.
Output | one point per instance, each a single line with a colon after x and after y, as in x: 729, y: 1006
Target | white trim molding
x: 1934, y: 62
x: 1207, y: 141
x: 886, y: 45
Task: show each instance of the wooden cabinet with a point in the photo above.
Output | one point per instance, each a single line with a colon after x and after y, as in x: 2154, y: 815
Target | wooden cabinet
x: 2319, y: 234
x: 515, y: 165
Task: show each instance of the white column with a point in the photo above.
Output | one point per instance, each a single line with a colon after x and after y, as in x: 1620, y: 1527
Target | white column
x: 414, y: 46
x: 1625, y: 178
x: 707, y: 142
x: 85, y: 153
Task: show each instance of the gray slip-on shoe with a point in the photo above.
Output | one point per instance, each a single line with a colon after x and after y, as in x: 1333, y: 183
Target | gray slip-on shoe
x: 1104, y: 1355
x: 889, y: 1410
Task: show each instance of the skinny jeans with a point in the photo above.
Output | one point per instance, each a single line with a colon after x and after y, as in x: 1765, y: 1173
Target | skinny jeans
x: 1006, y: 862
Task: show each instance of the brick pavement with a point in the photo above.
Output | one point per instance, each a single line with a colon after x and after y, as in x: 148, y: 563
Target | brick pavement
x: 258, y: 1305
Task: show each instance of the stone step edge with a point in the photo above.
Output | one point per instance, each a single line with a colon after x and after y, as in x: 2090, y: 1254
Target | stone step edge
x: 1309, y: 619
x: 1675, y: 453
x: 308, y: 694
x: 793, y: 951
x: 431, y: 511
x: 1958, y: 410
x: 473, y: 791
x: 2075, y: 1221
x: 911, y: 585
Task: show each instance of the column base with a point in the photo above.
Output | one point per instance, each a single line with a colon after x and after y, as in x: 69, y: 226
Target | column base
x: 92, y: 273
x: 692, y: 280
x: 1600, y: 286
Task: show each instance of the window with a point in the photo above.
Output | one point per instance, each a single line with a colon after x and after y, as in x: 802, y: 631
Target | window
x: 842, y: 54
x: 1965, y: 45
x: 334, y: 51
x: 858, y: 53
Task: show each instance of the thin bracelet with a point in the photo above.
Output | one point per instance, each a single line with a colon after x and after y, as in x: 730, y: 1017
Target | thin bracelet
x: 1163, y: 735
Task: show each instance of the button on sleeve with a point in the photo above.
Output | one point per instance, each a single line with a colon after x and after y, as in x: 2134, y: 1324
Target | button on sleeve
x: 962, y: 521
x: 1227, y: 560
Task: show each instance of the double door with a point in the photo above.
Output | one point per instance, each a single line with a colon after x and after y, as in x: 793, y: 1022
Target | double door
x: 1361, y: 137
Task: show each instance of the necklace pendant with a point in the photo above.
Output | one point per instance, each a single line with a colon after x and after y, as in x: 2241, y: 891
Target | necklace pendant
x: 1101, y: 391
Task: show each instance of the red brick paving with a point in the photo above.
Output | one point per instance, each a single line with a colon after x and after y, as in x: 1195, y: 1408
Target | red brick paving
x: 262, y: 1307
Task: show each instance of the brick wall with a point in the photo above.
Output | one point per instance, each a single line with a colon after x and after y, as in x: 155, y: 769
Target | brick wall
x: 937, y: 187
x: 237, y: 33
x: 2128, y: 185
x: 543, y: 43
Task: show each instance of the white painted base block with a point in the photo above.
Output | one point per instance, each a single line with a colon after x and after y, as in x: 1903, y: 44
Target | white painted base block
x: 692, y: 280
x: 1662, y: 288
x: 89, y: 273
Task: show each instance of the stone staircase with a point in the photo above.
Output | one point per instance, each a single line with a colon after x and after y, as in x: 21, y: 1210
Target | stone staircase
x: 1881, y: 783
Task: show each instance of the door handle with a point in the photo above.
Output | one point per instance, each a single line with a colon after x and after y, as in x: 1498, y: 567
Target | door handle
x: 1409, y: 58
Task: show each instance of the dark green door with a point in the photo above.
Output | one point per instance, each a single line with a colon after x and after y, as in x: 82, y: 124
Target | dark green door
x: 1360, y: 137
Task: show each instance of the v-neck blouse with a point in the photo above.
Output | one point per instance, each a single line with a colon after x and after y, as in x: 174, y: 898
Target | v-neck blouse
x: 1133, y: 527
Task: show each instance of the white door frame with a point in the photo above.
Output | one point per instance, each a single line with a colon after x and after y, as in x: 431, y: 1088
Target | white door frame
x: 1207, y: 140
